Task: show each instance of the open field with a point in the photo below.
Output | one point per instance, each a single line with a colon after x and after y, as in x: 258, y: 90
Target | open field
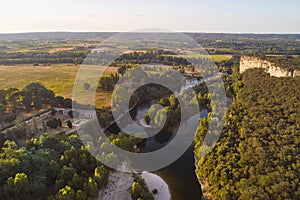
x: 46, y: 46
x: 216, y: 58
x: 58, y: 78
x: 219, y: 58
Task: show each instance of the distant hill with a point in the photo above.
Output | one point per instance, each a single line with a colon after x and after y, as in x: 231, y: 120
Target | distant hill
x: 54, y: 35
x: 248, y: 36
x: 92, y: 35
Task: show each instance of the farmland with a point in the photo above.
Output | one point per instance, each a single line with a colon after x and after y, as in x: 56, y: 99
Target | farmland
x: 58, y: 77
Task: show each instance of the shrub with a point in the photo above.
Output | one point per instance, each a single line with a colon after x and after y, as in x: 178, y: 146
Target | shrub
x: 54, y: 123
x: 154, y: 191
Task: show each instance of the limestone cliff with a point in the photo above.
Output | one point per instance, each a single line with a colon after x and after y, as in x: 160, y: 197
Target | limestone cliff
x: 247, y: 62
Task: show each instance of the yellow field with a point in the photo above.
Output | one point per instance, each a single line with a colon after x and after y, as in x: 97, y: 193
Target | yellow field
x: 216, y: 58
x: 58, y: 78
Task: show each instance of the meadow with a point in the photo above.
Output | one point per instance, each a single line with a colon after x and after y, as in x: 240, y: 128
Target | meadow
x: 58, y: 77
x: 216, y: 58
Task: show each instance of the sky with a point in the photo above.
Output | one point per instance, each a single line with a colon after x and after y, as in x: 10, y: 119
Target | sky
x: 230, y: 16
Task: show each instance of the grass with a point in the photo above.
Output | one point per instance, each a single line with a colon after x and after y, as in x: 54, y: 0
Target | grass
x: 45, y: 46
x: 59, y: 78
x: 216, y: 58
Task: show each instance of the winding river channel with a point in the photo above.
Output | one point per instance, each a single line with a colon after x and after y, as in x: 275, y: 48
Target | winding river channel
x: 180, y: 175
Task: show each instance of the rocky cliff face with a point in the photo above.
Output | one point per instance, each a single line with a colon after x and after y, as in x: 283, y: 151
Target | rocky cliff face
x: 247, y: 62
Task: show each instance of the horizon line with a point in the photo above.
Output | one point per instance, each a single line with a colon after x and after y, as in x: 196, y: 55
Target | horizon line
x: 206, y: 32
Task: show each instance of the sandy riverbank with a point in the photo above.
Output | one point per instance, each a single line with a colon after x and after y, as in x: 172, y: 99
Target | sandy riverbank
x: 119, y: 185
x: 154, y: 181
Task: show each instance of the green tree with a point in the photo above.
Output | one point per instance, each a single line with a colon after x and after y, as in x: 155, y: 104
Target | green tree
x: 20, y: 186
x: 91, y: 187
x: 2, y: 109
x: 101, y: 175
x: 66, y: 193
x: 122, y: 70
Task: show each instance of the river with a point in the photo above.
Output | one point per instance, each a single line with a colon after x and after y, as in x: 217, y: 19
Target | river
x: 180, y: 175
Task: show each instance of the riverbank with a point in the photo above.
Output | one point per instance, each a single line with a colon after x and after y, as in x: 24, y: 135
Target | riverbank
x: 119, y: 186
x: 153, y: 182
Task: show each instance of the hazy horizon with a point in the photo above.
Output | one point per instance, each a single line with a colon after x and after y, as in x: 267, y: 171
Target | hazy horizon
x: 216, y: 16
x: 241, y: 33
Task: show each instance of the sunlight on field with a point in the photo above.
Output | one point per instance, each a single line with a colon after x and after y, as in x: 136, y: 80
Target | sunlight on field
x: 219, y: 58
x: 216, y: 58
x: 59, y: 78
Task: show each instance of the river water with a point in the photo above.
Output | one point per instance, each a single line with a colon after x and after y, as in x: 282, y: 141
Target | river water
x: 180, y: 175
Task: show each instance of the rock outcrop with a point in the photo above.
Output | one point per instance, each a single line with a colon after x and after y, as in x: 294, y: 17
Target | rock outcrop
x: 247, y: 62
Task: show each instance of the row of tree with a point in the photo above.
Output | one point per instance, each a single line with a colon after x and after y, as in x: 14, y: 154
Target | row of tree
x: 151, y: 56
x: 37, y: 58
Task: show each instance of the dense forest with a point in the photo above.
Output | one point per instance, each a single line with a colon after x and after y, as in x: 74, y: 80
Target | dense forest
x: 60, y: 167
x: 57, y: 167
x: 257, y: 156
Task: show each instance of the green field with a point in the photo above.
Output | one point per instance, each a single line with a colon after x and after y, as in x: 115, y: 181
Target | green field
x: 46, y: 46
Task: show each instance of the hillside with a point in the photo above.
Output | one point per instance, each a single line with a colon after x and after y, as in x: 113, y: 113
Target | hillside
x: 257, y: 156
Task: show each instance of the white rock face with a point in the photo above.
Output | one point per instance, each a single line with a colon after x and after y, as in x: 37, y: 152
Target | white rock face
x: 247, y: 62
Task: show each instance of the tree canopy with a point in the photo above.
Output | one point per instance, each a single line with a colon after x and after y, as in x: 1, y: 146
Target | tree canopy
x: 257, y: 156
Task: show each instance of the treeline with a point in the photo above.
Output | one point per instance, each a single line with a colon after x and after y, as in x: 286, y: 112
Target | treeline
x: 42, y: 57
x: 148, y: 57
x: 219, y: 43
x: 257, y: 155
x: 12, y: 101
x: 285, y: 62
x: 33, y: 97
